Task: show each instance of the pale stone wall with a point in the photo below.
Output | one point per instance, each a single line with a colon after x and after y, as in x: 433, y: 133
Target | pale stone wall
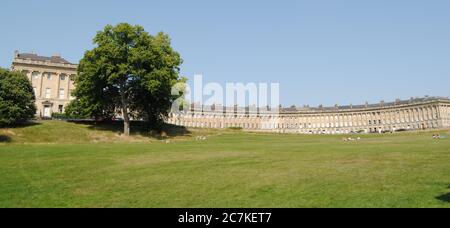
x: 52, y: 84
x: 55, y: 78
x: 446, y: 115
x: 415, y: 116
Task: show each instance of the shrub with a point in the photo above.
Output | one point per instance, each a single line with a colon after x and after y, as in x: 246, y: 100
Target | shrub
x: 16, y: 98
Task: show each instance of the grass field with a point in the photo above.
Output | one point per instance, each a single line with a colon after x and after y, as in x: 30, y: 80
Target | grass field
x: 58, y: 164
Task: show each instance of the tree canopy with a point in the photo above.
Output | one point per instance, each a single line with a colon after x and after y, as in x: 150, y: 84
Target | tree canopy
x: 129, y: 72
x: 16, y: 98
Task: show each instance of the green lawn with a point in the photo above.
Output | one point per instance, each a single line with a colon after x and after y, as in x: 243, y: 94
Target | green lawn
x: 57, y: 164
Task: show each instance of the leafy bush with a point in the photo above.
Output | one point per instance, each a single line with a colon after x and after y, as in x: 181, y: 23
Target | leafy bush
x: 60, y: 116
x: 16, y: 98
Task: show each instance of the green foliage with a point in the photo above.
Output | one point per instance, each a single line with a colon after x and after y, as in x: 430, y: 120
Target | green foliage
x: 16, y: 98
x: 59, y: 116
x: 83, y: 109
x: 63, y: 116
x: 129, y: 71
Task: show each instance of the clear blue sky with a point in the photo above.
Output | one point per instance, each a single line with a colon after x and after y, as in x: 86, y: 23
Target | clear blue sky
x: 321, y: 51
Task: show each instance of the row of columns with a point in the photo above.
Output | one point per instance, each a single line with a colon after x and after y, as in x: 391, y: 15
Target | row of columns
x: 445, y: 115
x: 39, y: 83
x: 375, y: 118
x: 417, y: 117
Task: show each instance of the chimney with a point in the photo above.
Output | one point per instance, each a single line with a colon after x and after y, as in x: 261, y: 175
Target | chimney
x: 57, y: 55
x: 16, y: 54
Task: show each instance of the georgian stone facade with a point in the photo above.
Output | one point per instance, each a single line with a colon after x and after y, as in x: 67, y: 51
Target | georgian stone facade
x: 51, y: 78
x: 52, y: 82
x: 413, y: 114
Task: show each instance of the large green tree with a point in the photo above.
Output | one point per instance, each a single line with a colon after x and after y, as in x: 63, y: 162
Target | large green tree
x: 16, y: 98
x: 129, y: 72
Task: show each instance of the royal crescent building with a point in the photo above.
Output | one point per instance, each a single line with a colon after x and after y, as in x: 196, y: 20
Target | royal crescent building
x: 52, y: 82
x: 412, y: 114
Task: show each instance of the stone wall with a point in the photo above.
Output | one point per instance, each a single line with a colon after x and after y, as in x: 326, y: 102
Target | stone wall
x: 52, y: 84
x: 431, y: 114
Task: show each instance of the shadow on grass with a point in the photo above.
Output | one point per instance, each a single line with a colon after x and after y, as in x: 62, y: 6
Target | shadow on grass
x: 5, y: 139
x: 22, y: 125
x: 445, y: 197
x: 25, y: 124
x: 137, y: 128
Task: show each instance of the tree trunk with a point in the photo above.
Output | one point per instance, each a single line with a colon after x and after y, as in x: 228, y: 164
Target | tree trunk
x: 126, y: 118
x: 126, y: 121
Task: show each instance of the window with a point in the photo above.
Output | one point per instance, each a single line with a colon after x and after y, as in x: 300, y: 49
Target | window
x: 49, y: 76
x: 48, y: 93
x: 60, y: 108
x: 61, y: 94
x: 35, y: 75
x: 62, y: 77
x: 34, y: 91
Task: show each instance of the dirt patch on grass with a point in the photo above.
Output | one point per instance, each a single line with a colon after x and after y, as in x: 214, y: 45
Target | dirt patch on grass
x: 97, y: 138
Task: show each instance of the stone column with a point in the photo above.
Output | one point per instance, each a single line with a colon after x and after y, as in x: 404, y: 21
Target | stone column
x: 360, y: 120
x: 41, y: 81
x: 430, y: 113
x: 413, y: 115
x: 58, y: 87
x: 440, y: 115
x: 422, y: 114
x: 28, y: 73
x: 410, y: 116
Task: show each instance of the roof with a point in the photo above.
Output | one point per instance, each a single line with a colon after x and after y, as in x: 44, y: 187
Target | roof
x: 367, y: 105
x: 294, y: 109
x: 35, y: 57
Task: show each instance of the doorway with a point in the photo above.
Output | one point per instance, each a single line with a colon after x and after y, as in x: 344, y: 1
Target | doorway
x: 47, y: 112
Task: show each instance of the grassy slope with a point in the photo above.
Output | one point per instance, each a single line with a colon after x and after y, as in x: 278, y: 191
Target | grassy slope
x: 229, y: 169
x: 51, y: 132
